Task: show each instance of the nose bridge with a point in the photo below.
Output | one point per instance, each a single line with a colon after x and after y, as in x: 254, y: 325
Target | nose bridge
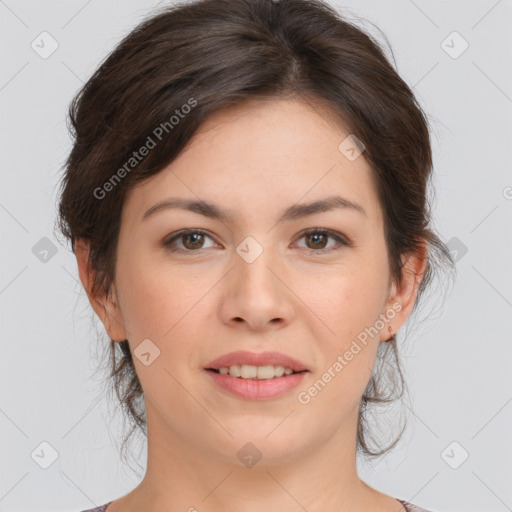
x: 255, y: 258
x: 257, y: 292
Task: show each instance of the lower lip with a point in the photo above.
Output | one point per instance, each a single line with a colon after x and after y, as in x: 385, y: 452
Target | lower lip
x: 253, y: 389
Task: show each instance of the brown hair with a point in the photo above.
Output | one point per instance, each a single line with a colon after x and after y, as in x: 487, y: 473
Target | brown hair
x: 185, y: 62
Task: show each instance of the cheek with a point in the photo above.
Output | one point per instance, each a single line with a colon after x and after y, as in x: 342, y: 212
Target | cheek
x: 162, y: 304
x: 347, y: 299
x: 349, y: 302
x: 348, y: 347
x: 158, y: 299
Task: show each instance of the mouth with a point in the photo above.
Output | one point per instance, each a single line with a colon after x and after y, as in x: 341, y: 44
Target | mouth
x: 256, y: 375
x: 253, y: 372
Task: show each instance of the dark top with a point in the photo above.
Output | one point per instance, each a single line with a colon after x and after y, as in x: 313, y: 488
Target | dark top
x: 408, y: 506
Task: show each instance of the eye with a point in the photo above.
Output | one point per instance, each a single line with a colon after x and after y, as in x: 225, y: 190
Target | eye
x: 194, y: 240
x: 320, y: 236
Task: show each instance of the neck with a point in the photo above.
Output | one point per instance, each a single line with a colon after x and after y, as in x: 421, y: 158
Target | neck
x: 182, y: 475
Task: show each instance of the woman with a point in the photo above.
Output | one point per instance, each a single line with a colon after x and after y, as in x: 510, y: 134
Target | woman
x: 246, y: 200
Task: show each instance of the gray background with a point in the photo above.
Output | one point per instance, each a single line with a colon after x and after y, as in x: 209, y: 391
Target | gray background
x: 457, y: 362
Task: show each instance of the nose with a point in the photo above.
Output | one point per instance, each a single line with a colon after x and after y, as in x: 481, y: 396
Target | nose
x: 257, y: 295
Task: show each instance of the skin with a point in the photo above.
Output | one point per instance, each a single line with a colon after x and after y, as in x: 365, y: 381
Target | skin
x: 256, y: 159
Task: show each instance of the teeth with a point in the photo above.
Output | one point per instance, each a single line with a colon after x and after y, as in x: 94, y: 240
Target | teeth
x: 246, y: 371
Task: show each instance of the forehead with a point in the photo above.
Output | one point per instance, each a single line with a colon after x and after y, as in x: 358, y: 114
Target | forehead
x: 273, y: 125
x: 261, y: 153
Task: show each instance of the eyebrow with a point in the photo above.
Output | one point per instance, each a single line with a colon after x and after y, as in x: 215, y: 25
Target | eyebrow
x: 294, y: 212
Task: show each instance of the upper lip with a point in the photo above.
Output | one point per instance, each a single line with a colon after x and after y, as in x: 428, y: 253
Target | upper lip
x: 256, y: 359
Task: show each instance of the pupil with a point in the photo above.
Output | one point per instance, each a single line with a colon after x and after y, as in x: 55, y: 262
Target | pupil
x: 317, y: 235
x: 192, y: 236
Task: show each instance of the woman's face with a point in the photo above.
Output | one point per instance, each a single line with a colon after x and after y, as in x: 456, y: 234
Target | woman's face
x: 252, y: 282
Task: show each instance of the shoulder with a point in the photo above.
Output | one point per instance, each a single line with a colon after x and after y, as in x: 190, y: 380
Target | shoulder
x: 103, y: 508
x: 411, y: 507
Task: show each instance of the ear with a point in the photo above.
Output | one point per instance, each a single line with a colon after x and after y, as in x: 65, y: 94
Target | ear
x: 403, y: 295
x: 107, y: 308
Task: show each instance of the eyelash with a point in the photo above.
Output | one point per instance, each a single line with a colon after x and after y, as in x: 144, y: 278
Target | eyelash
x: 344, y: 242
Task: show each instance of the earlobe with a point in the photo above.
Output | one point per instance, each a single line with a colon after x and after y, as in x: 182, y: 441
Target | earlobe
x: 112, y: 319
x: 104, y: 306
